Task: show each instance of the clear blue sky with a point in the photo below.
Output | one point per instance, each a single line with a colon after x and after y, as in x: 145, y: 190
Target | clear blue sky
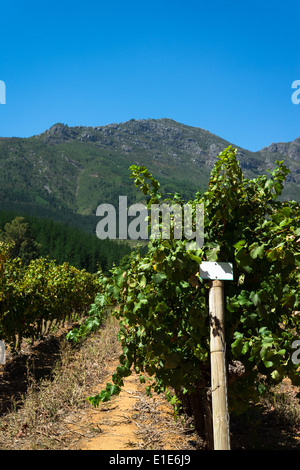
x: 224, y: 66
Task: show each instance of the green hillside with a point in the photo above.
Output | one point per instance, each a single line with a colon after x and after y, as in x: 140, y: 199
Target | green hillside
x: 66, y: 172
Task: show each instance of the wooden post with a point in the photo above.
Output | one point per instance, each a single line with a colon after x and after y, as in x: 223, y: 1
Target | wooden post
x: 217, y: 272
x: 218, y: 367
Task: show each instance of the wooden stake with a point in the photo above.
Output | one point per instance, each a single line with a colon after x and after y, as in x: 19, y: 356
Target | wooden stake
x: 218, y: 367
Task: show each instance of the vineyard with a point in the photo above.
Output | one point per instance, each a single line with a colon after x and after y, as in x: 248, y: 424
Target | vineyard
x: 161, y: 304
x: 35, y: 297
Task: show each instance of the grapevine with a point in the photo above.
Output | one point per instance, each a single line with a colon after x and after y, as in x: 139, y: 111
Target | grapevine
x: 35, y: 296
x: 162, y: 305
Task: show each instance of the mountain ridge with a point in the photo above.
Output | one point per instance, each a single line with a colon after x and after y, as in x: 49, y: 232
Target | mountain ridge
x: 73, y: 131
x: 76, y: 168
x: 271, y: 147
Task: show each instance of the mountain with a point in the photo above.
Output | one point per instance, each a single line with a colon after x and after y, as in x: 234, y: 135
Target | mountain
x: 66, y: 172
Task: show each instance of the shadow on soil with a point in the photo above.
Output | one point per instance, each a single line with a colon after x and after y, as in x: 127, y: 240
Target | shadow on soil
x: 19, y: 371
x: 263, y: 427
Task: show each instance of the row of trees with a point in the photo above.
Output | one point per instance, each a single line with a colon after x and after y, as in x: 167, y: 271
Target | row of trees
x: 34, y: 237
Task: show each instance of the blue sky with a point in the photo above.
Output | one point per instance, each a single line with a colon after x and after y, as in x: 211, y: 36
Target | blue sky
x: 224, y: 66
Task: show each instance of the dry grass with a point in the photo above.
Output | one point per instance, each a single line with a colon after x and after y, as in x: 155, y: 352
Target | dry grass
x: 33, y: 421
x: 158, y: 429
x: 51, y: 414
x: 283, y: 401
x: 43, y: 416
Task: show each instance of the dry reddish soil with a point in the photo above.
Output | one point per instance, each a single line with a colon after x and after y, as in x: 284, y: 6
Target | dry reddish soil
x: 131, y: 421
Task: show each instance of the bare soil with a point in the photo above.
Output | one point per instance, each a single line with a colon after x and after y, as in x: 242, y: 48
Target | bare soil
x: 43, y: 405
x: 131, y: 421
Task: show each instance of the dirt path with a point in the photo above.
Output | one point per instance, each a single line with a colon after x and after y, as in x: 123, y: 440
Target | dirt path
x: 54, y: 413
x: 131, y: 421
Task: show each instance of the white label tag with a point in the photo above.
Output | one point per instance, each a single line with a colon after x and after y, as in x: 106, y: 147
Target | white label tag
x: 215, y: 270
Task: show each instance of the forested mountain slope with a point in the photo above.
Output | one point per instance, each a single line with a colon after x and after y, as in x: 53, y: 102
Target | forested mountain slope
x: 66, y: 171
